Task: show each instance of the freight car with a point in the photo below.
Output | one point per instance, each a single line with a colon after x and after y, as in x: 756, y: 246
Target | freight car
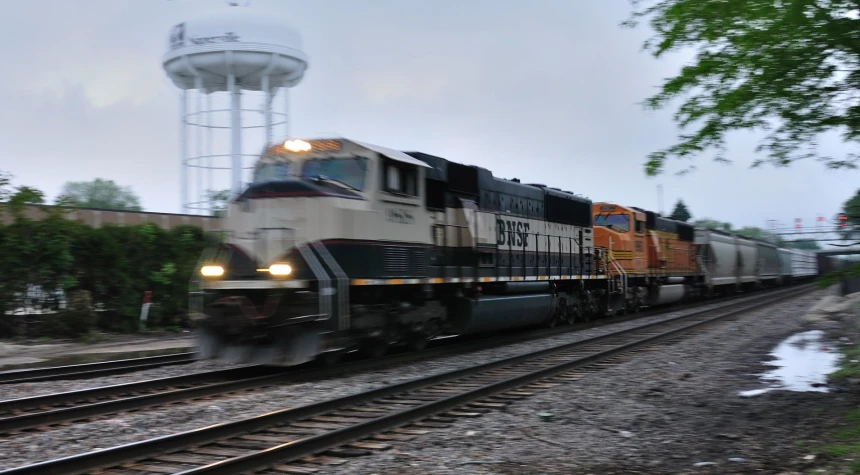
x: 798, y: 265
x: 339, y: 245
x: 729, y: 263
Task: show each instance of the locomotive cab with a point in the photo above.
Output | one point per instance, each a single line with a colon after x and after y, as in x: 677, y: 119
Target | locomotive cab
x: 292, y: 240
x: 622, y: 230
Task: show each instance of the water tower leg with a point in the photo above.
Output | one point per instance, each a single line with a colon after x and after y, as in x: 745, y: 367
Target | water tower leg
x: 236, y: 130
x: 183, y: 171
x: 286, y: 111
x: 267, y: 104
x: 201, y: 193
x: 209, y: 159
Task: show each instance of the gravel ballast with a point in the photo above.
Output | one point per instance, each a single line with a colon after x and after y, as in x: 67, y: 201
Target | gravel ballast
x: 655, y: 399
x: 444, y: 364
x: 673, y: 409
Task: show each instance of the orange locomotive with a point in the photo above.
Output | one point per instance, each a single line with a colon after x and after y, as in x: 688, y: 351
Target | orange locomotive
x: 652, y: 258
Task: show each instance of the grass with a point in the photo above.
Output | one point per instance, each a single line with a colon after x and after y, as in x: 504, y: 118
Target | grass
x: 843, y: 451
x: 850, y: 365
x: 91, y: 337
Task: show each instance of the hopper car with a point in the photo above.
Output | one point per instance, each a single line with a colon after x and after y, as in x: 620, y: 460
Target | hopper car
x: 339, y: 245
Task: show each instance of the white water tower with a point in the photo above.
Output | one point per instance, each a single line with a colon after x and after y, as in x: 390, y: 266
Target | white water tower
x: 225, y: 56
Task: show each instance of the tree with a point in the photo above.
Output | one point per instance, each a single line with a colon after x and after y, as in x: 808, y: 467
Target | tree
x: 760, y: 234
x: 99, y: 193
x: 218, y: 201
x: 681, y: 213
x: 746, y: 231
x: 804, y: 245
x: 712, y: 224
x: 790, y: 66
x: 5, y: 181
x: 15, y: 199
x: 851, y: 230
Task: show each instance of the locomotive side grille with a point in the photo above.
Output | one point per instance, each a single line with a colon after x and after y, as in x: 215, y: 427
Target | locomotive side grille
x: 396, y: 259
x: 419, y: 261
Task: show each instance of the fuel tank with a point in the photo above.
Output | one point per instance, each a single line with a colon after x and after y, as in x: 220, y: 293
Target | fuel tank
x: 493, y: 313
x: 666, y: 294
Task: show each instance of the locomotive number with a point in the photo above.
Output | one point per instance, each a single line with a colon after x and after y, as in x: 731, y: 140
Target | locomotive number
x: 607, y: 207
x: 401, y: 216
x: 514, y: 233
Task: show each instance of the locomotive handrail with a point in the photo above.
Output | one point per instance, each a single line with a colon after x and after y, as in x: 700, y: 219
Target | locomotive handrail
x: 510, y: 250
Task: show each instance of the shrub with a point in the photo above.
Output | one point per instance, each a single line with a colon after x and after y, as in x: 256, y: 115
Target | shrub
x: 68, y: 269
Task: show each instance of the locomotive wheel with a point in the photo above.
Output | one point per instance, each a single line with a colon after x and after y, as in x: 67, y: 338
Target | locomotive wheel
x: 374, y: 348
x: 567, y: 316
x: 238, y: 354
x: 557, y: 317
x: 330, y: 358
x: 208, y: 344
x: 417, y: 342
x: 575, y: 312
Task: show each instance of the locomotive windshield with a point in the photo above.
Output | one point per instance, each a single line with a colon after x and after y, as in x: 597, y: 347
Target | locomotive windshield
x: 271, y: 172
x: 349, y: 171
x: 616, y: 222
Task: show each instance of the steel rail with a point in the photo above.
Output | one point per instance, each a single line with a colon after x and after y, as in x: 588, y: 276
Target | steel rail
x: 208, y: 384
x: 87, y: 370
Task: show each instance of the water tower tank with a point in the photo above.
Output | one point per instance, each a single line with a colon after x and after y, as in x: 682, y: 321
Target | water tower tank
x: 230, y: 51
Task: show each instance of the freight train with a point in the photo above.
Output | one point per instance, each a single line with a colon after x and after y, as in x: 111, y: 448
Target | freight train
x: 339, y: 246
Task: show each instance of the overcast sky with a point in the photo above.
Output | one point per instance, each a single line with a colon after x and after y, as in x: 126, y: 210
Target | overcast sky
x: 547, y: 91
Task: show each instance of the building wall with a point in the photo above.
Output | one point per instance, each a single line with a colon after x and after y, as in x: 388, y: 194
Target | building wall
x: 97, y: 217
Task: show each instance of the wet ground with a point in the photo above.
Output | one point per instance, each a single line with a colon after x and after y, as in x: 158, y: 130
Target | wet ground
x: 802, y: 363
x: 16, y: 355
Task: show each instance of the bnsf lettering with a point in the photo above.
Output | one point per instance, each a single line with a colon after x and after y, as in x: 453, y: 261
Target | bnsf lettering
x: 512, y: 233
x: 399, y: 216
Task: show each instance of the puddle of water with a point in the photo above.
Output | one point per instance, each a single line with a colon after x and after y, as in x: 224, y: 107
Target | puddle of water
x: 802, y: 362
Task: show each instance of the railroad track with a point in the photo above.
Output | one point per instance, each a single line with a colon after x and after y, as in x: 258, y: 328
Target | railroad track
x: 46, y: 411
x: 86, y: 404
x: 91, y: 370
x: 298, y: 440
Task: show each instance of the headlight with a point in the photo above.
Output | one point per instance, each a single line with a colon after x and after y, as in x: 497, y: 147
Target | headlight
x: 280, y: 269
x: 297, y: 146
x: 212, y: 271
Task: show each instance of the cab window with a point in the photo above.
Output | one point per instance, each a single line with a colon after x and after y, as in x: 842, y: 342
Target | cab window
x: 617, y: 222
x: 400, y: 178
x: 350, y: 171
x: 640, y: 226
